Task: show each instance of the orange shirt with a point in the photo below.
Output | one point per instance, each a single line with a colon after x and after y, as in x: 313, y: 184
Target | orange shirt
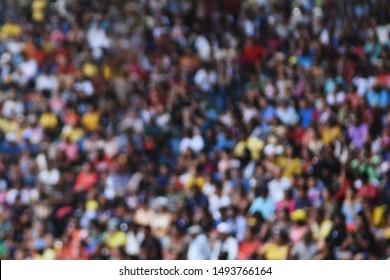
x: 85, y: 181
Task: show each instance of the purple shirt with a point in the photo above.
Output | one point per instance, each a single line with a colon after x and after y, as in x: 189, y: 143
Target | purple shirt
x: 358, y: 135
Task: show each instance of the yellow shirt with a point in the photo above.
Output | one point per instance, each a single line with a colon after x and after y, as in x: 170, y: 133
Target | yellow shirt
x: 379, y: 216
x: 116, y: 239
x: 48, y: 121
x: 89, y: 70
x: 10, y: 30
x: 91, y: 120
x: 197, y: 181
x: 290, y: 167
x: 7, y: 125
x: 253, y: 144
x: 92, y: 205
x: 38, y: 10
x: 275, y: 252
x: 320, y: 232
x: 107, y: 72
x: 330, y: 134
x: 73, y: 133
x: 48, y: 254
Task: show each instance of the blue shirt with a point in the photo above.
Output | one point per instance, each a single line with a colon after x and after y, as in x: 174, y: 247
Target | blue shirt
x: 306, y: 115
x: 373, y: 98
x: 268, y: 113
x: 265, y: 206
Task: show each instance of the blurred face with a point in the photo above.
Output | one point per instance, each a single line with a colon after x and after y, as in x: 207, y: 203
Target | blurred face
x: 339, y: 221
x: 248, y: 235
x: 164, y: 170
x: 311, y: 182
x: 301, y: 193
x: 222, y: 235
x: 349, y: 194
x: 19, y: 255
x: 359, y: 222
x: 147, y: 231
x: 307, y: 236
x: 278, y: 173
x: 289, y: 151
x: 282, y: 215
x: 263, y: 102
x: 86, y: 168
x: 325, y: 194
x: 278, y: 238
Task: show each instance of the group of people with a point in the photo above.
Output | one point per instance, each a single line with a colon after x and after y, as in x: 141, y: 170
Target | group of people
x: 194, y: 129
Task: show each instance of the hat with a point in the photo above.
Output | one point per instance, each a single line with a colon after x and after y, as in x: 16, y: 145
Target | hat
x: 223, y: 228
x: 195, y: 229
x: 298, y: 215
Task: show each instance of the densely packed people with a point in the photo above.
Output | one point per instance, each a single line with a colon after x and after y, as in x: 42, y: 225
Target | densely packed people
x: 219, y: 129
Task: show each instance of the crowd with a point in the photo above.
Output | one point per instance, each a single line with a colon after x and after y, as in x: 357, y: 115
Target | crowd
x: 194, y: 129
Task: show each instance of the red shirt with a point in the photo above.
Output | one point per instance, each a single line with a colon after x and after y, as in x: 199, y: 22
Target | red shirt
x: 340, y: 194
x: 367, y: 192
x: 247, y: 248
x: 85, y: 181
x: 253, y: 53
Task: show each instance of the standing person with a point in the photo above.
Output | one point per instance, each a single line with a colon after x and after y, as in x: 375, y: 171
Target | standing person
x: 299, y: 227
x: 249, y: 245
x: 277, y: 248
x: 263, y: 204
x: 199, y: 246
x: 151, y: 248
x: 226, y: 246
x: 360, y: 243
x: 306, y: 249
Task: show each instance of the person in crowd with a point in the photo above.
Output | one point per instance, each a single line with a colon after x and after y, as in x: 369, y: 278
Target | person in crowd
x: 198, y: 246
x: 225, y: 246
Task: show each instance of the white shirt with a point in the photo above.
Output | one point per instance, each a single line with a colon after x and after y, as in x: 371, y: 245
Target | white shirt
x: 97, y: 38
x: 196, y: 144
x: 203, y: 47
x: 362, y: 85
x: 47, y: 82
x: 230, y: 246
x: 286, y: 115
x: 216, y: 202
x: 248, y: 114
x: 28, y: 68
x: 249, y: 28
x: 277, y: 187
x: 133, y: 242
x: 49, y: 177
x: 199, y: 248
x: 12, y: 108
x: 205, y: 80
x: 13, y: 193
x: 85, y: 86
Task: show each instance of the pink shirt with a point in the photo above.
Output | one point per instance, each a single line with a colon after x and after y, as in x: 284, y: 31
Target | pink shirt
x: 70, y: 150
x: 296, y: 234
x: 290, y: 205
